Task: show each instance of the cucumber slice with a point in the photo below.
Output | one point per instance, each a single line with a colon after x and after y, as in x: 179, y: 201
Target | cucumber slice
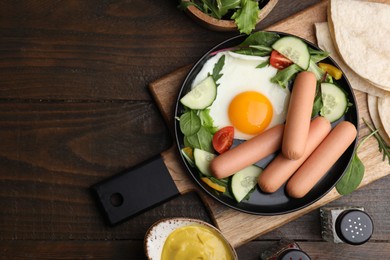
x: 294, y: 49
x: 244, y: 181
x: 202, y: 95
x: 203, y: 160
x: 335, y: 102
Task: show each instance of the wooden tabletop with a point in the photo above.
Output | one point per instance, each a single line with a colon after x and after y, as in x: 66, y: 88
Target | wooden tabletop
x: 75, y: 109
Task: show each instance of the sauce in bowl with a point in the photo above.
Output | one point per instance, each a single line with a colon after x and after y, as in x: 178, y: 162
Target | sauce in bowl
x: 195, y: 242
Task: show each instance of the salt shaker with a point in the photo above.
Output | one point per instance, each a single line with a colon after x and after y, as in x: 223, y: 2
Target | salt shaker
x: 351, y: 225
x: 285, y: 249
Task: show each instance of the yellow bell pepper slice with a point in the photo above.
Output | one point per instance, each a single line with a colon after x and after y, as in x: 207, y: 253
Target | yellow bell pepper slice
x: 213, y: 185
x: 332, y: 70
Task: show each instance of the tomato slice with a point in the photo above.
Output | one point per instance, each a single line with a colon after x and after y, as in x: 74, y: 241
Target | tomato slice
x: 223, y: 139
x: 278, y: 61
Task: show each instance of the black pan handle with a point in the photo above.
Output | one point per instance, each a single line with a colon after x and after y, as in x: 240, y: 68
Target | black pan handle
x: 134, y: 191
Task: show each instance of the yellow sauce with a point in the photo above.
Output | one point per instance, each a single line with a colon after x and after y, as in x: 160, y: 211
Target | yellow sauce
x: 195, y: 242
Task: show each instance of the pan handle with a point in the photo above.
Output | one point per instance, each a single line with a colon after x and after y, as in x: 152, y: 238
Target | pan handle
x: 134, y: 191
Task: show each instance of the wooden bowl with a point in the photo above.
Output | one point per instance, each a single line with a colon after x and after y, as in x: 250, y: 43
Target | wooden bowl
x: 223, y: 25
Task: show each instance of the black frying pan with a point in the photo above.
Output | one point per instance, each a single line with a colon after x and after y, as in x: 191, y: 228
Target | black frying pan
x: 276, y: 203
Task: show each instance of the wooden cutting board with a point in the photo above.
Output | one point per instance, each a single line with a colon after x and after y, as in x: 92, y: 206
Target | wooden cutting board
x: 239, y: 227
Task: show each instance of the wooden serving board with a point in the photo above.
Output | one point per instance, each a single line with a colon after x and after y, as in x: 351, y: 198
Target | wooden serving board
x: 239, y: 227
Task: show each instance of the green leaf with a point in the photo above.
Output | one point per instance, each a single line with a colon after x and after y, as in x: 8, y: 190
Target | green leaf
x: 260, y: 38
x: 225, y: 5
x: 218, y: 68
x: 318, y: 72
x: 382, y: 145
x: 207, y: 121
x: 318, y: 104
x: 189, y: 123
x: 317, y: 55
x: 263, y: 64
x: 202, y: 140
x: 352, y: 177
x: 283, y: 77
x: 253, y: 51
x: 354, y: 173
x: 246, y: 17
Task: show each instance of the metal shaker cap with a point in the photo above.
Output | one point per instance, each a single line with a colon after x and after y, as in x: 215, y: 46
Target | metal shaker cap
x: 354, y: 227
x: 294, y: 254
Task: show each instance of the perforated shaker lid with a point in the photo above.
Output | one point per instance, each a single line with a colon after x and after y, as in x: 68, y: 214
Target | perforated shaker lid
x: 354, y: 227
x: 294, y: 254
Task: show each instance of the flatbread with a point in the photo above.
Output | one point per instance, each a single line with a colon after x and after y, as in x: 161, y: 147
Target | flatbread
x: 325, y: 42
x: 384, y: 112
x: 361, y: 32
x: 372, y: 103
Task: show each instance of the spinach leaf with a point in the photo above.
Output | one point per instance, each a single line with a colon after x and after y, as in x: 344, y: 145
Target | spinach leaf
x: 253, y: 51
x: 260, y: 38
x: 283, y: 77
x: 218, y: 68
x: 354, y: 173
x: 202, y: 140
x: 352, y: 177
x: 189, y: 123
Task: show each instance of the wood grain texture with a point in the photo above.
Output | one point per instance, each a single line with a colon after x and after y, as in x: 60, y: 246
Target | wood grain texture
x: 234, y: 224
x: 75, y: 109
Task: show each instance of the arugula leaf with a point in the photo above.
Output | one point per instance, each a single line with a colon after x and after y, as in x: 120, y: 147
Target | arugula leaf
x: 189, y: 123
x: 382, y: 145
x: 263, y: 64
x: 247, y: 16
x: 218, y: 68
x: 354, y: 172
x: 318, y: 103
x: 283, y: 77
x: 207, y: 121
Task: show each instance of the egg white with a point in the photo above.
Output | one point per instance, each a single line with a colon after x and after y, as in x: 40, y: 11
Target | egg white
x: 240, y: 75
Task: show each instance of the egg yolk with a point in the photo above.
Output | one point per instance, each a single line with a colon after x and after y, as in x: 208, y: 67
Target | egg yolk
x: 250, y: 112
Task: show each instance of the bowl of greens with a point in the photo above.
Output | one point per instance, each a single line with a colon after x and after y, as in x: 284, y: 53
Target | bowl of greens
x: 228, y: 15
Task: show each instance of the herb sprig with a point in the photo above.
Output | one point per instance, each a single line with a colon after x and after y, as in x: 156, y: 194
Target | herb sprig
x: 384, y: 148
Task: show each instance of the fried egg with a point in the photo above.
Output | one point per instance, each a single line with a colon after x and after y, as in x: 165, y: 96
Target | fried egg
x: 246, y: 97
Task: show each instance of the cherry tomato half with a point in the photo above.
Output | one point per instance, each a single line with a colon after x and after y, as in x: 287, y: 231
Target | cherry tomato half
x: 278, y: 61
x: 223, y: 139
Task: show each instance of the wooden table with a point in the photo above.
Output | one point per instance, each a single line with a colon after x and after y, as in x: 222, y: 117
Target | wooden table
x: 75, y: 109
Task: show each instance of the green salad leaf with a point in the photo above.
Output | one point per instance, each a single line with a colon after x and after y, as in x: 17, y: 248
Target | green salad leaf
x: 246, y: 17
x: 318, y: 103
x: 260, y: 38
x: 355, y: 171
x: 189, y: 123
x: 218, y: 68
x: 245, y: 13
x: 201, y: 140
x: 283, y: 77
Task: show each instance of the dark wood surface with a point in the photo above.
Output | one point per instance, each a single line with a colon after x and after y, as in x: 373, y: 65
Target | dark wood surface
x: 75, y: 109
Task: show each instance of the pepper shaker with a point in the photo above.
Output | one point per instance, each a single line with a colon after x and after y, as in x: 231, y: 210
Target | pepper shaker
x: 351, y: 225
x: 285, y: 249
